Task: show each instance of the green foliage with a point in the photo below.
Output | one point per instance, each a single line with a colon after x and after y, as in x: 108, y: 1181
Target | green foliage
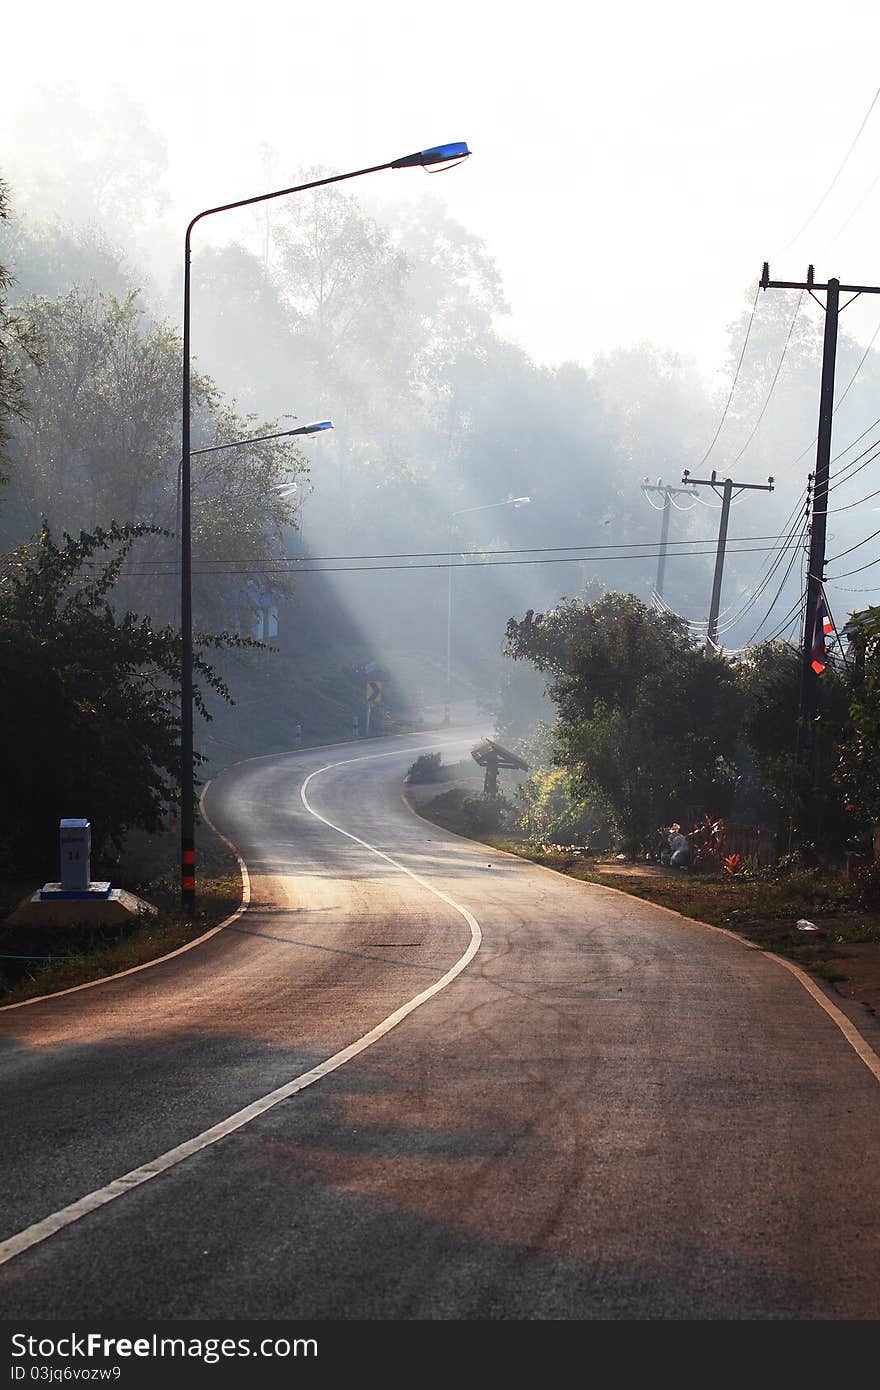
x: 647, y: 720
x: 18, y: 346
x: 866, y: 885
x: 89, y: 708
x: 552, y: 813
x: 426, y: 768
x: 101, y: 439
x: 471, y: 813
x: 858, y: 770
x: 770, y: 679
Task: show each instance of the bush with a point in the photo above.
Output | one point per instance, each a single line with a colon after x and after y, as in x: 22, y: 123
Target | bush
x: 484, y: 815
x: 471, y: 813
x: 553, y: 814
x: 426, y: 768
x: 866, y: 885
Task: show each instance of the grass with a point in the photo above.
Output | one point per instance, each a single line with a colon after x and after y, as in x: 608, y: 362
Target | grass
x: 765, y: 910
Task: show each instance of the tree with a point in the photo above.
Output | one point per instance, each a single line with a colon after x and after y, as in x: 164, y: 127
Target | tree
x: 647, y: 721
x: 89, y: 699
x: 858, y: 769
x: 18, y: 346
x: 101, y: 441
x: 770, y: 680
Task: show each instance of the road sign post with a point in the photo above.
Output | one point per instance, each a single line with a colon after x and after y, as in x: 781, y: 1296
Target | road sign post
x: 374, y: 695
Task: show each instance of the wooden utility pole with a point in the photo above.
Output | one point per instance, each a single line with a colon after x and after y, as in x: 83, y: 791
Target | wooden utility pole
x: 668, y: 492
x: 809, y: 698
x: 727, y: 486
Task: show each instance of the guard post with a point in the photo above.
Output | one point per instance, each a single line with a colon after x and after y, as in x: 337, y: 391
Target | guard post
x: 76, y: 849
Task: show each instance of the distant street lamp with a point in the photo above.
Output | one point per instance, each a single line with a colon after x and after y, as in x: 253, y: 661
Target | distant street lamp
x: 509, y: 502
x: 314, y: 428
x: 439, y: 154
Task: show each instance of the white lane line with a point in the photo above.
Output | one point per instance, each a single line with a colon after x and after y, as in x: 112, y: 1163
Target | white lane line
x: 50, y: 1225
x: 245, y: 880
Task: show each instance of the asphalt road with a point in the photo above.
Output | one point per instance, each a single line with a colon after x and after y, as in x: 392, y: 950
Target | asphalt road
x: 601, y: 1110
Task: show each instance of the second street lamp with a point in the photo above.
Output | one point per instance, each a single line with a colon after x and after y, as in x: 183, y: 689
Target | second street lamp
x: 313, y: 428
x: 438, y: 154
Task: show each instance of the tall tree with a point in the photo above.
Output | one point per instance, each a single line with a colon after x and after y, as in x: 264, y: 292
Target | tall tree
x: 646, y: 719
x: 89, y: 698
x: 101, y: 442
x: 18, y: 346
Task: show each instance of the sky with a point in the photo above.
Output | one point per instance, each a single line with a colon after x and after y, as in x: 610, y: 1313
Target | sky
x: 633, y: 165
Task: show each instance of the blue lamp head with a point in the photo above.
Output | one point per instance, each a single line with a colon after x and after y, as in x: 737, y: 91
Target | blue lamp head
x: 313, y: 428
x: 438, y: 154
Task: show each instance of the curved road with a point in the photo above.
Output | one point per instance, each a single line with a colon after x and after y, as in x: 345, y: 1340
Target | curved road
x: 562, y: 1103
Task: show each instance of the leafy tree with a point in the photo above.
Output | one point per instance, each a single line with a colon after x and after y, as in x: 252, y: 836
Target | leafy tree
x: 858, y: 770
x: 101, y: 440
x: 552, y: 813
x: 89, y: 699
x: 647, y: 720
x: 770, y: 680
x: 18, y: 345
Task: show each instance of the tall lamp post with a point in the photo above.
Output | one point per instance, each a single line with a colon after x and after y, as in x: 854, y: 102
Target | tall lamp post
x: 488, y: 506
x: 439, y: 154
x: 314, y: 428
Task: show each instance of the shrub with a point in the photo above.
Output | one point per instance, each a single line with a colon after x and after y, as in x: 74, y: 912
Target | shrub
x: 552, y: 812
x: 471, y: 813
x: 426, y: 768
x: 866, y: 885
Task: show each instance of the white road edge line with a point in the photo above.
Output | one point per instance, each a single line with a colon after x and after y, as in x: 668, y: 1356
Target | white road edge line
x: 169, y: 955
x: 862, y: 1048
x: 50, y: 1225
x: 245, y: 881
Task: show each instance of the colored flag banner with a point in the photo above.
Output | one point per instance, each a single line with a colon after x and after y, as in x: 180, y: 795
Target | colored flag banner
x: 822, y: 626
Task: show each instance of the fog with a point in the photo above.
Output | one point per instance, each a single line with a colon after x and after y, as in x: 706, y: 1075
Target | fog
x: 401, y: 539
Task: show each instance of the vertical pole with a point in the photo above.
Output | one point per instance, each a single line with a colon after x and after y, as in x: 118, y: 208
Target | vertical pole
x: 809, y: 704
x: 187, y: 791
x: 719, y: 565
x: 449, y: 618
x: 664, y: 537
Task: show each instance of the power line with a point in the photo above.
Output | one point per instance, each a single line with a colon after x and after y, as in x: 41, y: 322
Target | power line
x: 264, y: 567
x: 833, y: 558
x: 805, y: 756
x: 831, y: 185
x: 793, y: 523
x: 727, y: 485
x: 649, y: 546
x: 841, y: 229
x: 777, y: 596
x: 831, y: 578
x: 733, y: 383
x: 774, y: 381
x: 762, y: 587
x: 755, y: 594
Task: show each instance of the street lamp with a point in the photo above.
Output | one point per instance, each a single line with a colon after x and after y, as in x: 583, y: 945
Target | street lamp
x: 313, y: 428
x: 439, y: 154
x: 509, y: 502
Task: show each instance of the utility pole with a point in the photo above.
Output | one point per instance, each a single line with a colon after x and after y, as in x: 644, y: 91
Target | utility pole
x: 809, y: 699
x: 727, y: 486
x: 668, y: 492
